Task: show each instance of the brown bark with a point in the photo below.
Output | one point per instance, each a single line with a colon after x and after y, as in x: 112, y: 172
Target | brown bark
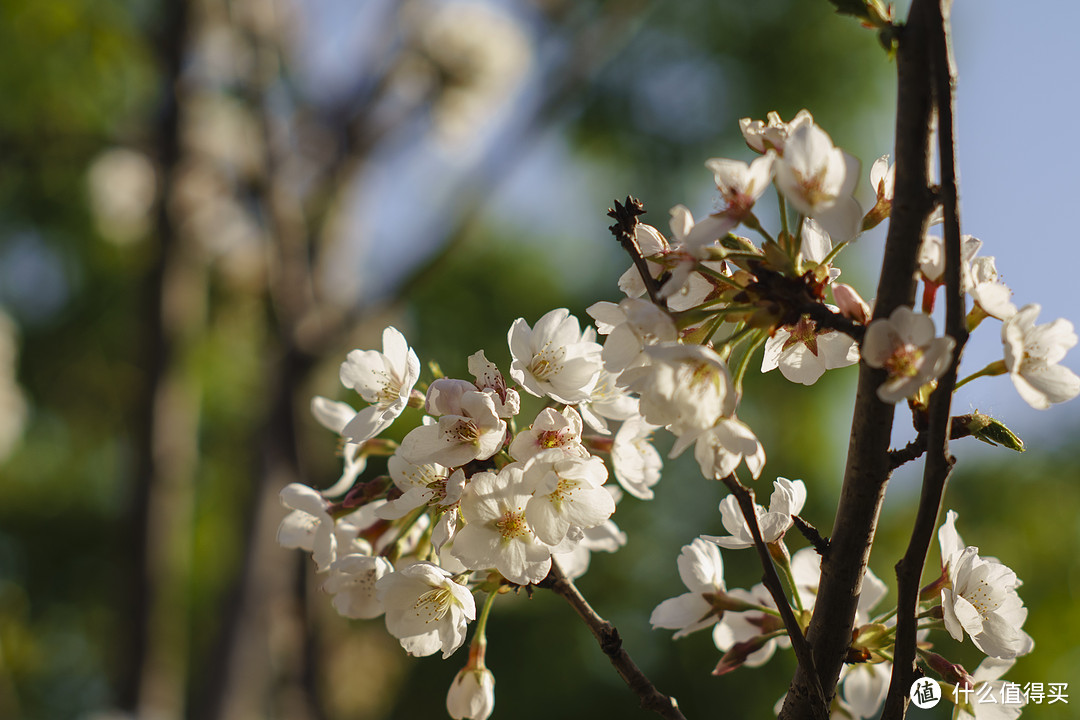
x: 868, y: 463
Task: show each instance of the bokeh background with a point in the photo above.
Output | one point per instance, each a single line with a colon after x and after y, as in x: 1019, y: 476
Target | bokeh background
x: 205, y: 205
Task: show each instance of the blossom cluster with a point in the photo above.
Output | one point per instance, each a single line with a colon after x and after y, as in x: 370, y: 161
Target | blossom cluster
x: 484, y: 495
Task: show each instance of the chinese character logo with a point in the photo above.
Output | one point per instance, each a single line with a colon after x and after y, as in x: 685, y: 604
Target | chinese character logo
x: 925, y: 693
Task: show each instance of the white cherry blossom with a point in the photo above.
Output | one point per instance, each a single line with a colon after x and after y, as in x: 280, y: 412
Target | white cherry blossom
x: 749, y: 627
x: 819, y: 180
x: 931, y: 258
x: 426, y: 484
x: 309, y: 526
x: 803, y: 351
x: 631, y: 326
x: 980, y: 597
x: 336, y: 416
x: 772, y: 134
x: 787, y: 499
x: 567, y: 493
x: 721, y: 448
x: 384, y: 379
x: 740, y: 185
x: 489, y: 379
x: 982, y: 602
x: 904, y: 344
x: 607, y: 401
x: 634, y: 461
x: 685, y: 388
x: 702, y: 571
x: 1032, y: 354
x: 472, y: 693
x: 470, y: 430
x: 351, y: 580
x: 991, y: 295
x: 425, y: 609
x: 496, y: 533
x: 882, y: 180
x: 553, y: 358
x: 988, y: 674
x: 551, y: 430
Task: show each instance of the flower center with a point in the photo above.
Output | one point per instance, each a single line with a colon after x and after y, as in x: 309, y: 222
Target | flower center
x: 549, y: 439
x: 904, y: 362
x: 433, y: 605
x: 464, y: 431
x: 545, y: 363
x: 512, y: 525
x: 981, y: 598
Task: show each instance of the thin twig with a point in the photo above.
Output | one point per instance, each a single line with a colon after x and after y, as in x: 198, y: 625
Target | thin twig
x: 607, y: 636
x: 745, y: 497
x: 624, y: 230
x: 939, y: 462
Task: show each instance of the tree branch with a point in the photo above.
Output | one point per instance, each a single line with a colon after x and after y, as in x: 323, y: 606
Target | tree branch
x: 939, y: 462
x: 607, y: 636
x: 868, y: 464
x: 624, y: 230
x: 745, y: 497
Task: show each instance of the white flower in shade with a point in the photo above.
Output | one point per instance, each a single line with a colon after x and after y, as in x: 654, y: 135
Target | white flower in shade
x: 864, y: 687
x: 635, y: 462
x: 882, y: 179
x: 819, y: 180
x: 982, y: 601
x: 806, y: 571
x: 650, y: 243
x: 351, y: 580
x: 348, y: 528
x: 949, y: 539
x: 686, y: 388
x: 694, y: 238
x: 335, y: 416
x: 553, y: 358
x: 987, y: 679
x: 702, y: 571
x: 470, y: 430
x: 605, y: 537
x: 991, y: 295
x: 904, y: 344
x: 931, y: 258
x: 425, y: 609
x: 496, y: 533
x: 552, y: 430
x: 384, y: 379
x: 721, y: 448
x: 741, y: 184
x: 803, y: 351
x: 309, y: 526
x: 567, y: 492
x: 1032, y: 354
x: 607, y: 402
x: 697, y: 288
x: 773, y: 134
x: 489, y: 379
x: 631, y: 326
x: 743, y: 636
x: 420, y: 485
x: 787, y: 499
x: 472, y: 693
